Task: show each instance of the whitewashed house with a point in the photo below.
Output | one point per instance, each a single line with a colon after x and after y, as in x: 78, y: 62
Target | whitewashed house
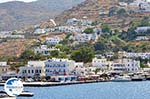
x: 137, y: 2
x: 109, y: 54
x: 44, y: 50
x: 72, y: 21
x: 138, y: 55
x: 68, y: 29
x: 142, y: 38
x: 142, y: 29
x: 123, y: 4
x: 53, y: 41
x: 102, y: 64
x: 39, y: 31
x: 32, y: 69
x: 85, y: 37
x: 145, y: 6
x: 4, y: 68
x: 80, y: 22
x: 82, y: 37
x: 59, y: 67
x: 9, y: 36
x: 87, y: 23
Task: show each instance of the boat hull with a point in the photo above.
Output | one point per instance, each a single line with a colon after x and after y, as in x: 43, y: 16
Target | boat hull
x: 121, y: 80
x: 137, y: 79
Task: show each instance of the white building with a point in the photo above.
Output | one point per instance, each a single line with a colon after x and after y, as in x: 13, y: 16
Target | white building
x: 32, y: 69
x: 79, y: 70
x: 59, y: 67
x: 137, y: 2
x: 131, y: 65
x: 39, y: 31
x: 53, y: 41
x: 139, y: 55
x: 134, y: 55
x: 44, y: 50
x: 142, y: 38
x: 9, y: 36
x: 4, y: 68
x: 125, y: 66
x: 123, y: 4
x: 109, y: 54
x: 80, y: 22
x: 68, y: 29
x: 142, y: 29
x: 102, y: 64
x: 117, y: 68
x: 85, y: 37
x: 72, y: 21
x: 145, y: 6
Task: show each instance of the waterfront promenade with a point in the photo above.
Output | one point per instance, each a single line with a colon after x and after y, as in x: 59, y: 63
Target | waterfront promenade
x: 45, y: 84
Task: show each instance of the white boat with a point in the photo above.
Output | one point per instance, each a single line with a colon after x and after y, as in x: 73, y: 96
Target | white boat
x: 7, y: 97
x: 26, y: 94
x: 3, y: 95
x: 121, y: 79
x: 137, y: 78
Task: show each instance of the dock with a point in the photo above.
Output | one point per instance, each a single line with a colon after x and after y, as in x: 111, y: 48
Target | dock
x: 46, y: 84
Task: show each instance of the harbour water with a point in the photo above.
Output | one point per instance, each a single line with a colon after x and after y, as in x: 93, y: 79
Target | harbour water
x: 106, y: 90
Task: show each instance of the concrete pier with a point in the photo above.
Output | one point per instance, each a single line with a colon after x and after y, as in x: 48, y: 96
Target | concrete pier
x: 45, y: 84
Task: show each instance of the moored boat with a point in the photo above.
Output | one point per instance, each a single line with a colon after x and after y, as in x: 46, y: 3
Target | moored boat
x: 23, y: 94
x: 7, y: 97
x: 26, y: 94
x: 121, y: 79
x: 3, y: 95
x: 137, y: 78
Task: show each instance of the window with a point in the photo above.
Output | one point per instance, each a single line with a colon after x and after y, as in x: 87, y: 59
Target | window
x: 29, y: 71
x: 25, y: 71
x: 36, y: 71
x: 39, y: 71
x: 32, y: 71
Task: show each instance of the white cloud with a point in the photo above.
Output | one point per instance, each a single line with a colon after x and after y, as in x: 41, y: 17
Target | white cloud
x: 2, y: 1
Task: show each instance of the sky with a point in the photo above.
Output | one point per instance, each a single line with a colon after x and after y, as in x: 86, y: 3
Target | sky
x: 1, y: 1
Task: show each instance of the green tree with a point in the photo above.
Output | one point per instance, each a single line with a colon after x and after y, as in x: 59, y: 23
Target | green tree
x: 27, y: 55
x: 105, y: 28
x: 55, y: 53
x: 121, y: 11
x: 142, y: 65
x: 66, y: 49
x: 100, y: 46
x: 89, y: 30
x: 83, y: 54
x: 38, y: 56
x: 63, y: 55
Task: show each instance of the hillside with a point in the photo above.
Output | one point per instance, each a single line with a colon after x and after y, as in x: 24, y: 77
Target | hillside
x: 103, y: 11
x: 14, y: 15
